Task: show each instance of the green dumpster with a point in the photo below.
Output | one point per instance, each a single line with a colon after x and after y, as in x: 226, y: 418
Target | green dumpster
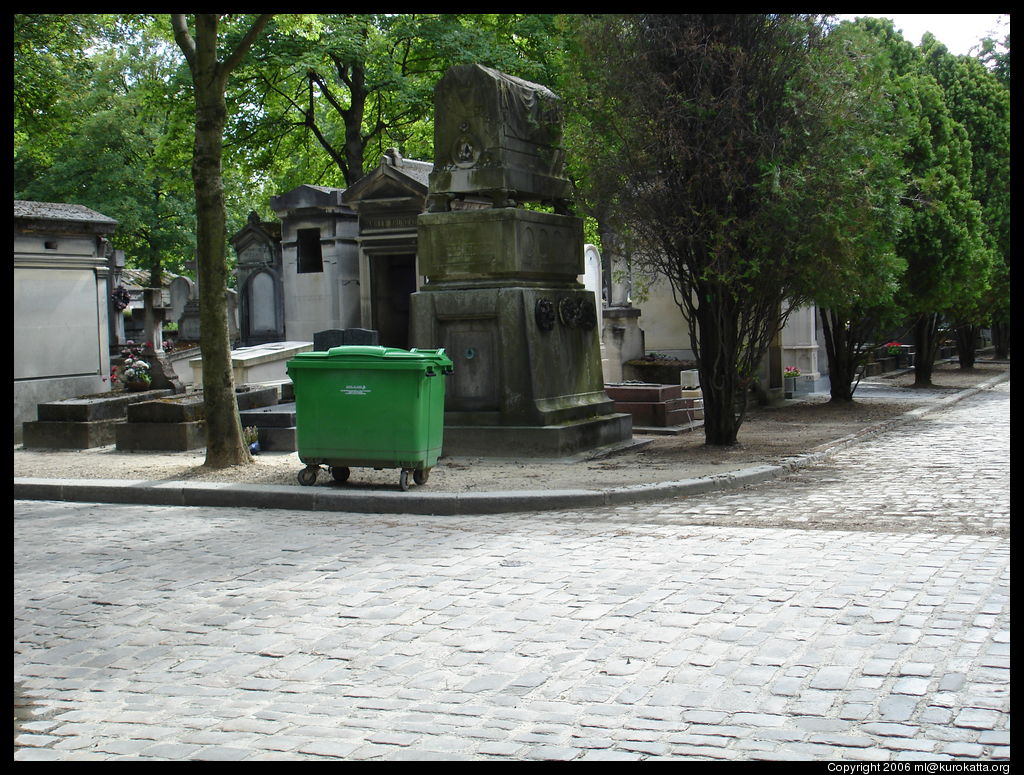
x: 367, y: 406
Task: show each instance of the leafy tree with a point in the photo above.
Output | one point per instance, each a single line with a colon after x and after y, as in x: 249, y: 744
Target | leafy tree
x: 49, y: 50
x: 995, y: 55
x: 224, y: 446
x: 943, y: 239
x: 722, y: 138
x: 863, y: 188
x: 981, y: 104
x: 121, y: 154
x: 341, y: 92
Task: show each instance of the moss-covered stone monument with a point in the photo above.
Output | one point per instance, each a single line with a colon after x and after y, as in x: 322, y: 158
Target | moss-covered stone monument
x: 502, y: 295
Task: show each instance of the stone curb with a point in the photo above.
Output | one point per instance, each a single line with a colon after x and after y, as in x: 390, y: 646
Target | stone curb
x: 296, y: 497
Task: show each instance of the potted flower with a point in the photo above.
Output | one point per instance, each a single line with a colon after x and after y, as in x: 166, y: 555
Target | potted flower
x: 251, y: 436
x: 893, y: 348
x: 790, y: 374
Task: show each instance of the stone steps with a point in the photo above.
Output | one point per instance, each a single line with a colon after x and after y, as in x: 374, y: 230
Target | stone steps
x: 275, y: 426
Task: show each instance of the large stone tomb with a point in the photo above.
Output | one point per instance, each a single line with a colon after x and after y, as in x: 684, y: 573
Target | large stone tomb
x: 502, y: 295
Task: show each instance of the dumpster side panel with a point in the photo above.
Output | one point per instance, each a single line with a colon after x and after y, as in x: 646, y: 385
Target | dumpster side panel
x: 368, y: 412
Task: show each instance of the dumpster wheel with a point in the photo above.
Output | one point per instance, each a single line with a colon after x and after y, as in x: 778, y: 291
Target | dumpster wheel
x: 403, y: 480
x: 420, y: 475
x: 307, y: 475
x: 340, y: 473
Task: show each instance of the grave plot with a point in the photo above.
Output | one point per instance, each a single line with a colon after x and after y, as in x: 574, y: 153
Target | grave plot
x: 178, y: 424
x: 82, y: 423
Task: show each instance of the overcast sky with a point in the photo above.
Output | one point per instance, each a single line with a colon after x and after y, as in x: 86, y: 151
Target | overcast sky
x: 958, y: 31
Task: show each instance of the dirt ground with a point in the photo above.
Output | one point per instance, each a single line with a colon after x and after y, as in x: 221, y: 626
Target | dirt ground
x: 768, y: 435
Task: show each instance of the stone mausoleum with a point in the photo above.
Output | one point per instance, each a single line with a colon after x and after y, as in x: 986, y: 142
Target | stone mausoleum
x: 61, y: 289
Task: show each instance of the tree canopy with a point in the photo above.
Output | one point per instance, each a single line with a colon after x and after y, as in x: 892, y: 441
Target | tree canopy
x: 325, y: 101
x: 717, y: 133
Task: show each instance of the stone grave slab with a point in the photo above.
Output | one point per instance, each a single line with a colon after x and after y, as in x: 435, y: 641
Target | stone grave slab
x: 260, y: 363
x: 82, y: 423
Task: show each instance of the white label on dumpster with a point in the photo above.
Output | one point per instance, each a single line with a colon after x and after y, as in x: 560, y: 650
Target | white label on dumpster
x: 355, y: 390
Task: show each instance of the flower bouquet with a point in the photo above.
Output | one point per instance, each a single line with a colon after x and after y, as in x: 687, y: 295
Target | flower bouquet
x: 134, y: 371
x: 791, y: 372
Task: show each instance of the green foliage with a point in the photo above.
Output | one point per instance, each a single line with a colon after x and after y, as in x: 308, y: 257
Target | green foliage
x: 118, y: 135
x: 118, y: 148
x: 954, y: 131
x: 711, y: 138
x: 321, y: 105
x: 980, y: 103
x: 49, y: 50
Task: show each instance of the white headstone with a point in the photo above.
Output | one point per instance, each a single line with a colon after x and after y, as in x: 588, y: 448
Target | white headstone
x: 181, y: 291
x: 262, y: 304
x: 591, y: 277
x: 231, y: 301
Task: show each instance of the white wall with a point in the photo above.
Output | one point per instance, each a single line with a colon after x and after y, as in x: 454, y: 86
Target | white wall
x: 61, y: 338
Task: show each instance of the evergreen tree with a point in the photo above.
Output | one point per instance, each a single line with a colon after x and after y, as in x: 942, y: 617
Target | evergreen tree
x: 722, y: 128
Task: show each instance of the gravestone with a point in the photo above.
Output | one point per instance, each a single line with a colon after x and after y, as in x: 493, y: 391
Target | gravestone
x: 591, y: 277
x: 189, y: 329
x: 503, y: 296
x: 115, y: 312
x: 388, y: 202
x: 188, y: 321
x: 337, y: 337
x: 259, y: 281
x: 181, y: 290
x: 61, y: 341
x: 261, y: 363
x: 153, y: 332
x: 231, y: 307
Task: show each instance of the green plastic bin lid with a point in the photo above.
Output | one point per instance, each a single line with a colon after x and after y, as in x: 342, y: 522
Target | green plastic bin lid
x: 364, y: 352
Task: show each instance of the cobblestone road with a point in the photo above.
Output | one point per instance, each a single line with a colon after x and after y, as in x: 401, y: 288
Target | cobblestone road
x: 858, y: 610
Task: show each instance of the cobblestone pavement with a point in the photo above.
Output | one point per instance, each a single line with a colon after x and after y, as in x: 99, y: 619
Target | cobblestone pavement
x: 858, y: 610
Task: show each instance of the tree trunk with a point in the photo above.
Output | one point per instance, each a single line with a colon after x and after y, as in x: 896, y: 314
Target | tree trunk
x: 716, y: 362
x: 355, y: 143
x: 1001, y: 340
x: 224, y: 443
x: 842, y: 356
x: 966, y: 338
x: 926, y: 344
